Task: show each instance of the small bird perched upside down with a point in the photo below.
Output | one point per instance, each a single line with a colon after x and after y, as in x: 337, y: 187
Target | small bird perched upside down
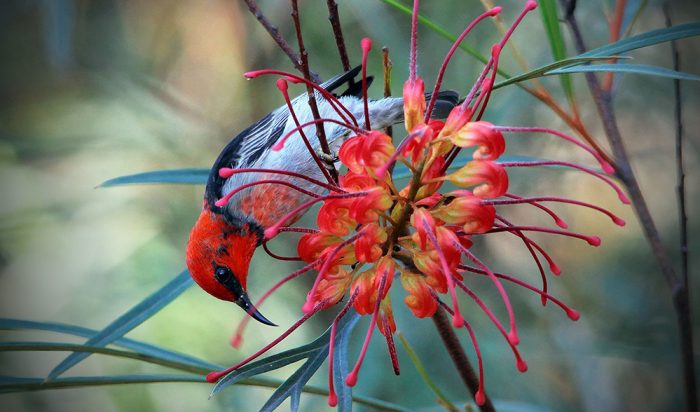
x: 230, y: 228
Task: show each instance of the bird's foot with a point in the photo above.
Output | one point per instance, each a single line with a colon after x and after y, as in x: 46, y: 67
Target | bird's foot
x: 328, y: 160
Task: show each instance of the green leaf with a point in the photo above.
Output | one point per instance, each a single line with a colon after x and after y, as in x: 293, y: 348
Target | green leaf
x: 543, y: 70
x: 646, y: 39
x: 141, y: 347
x: 10, y: 384
x: 340, y: 366
x: 315, y: 352
x: 129, y: 320
x: 424, y: 374
x: 293, y: 385
x: 192, y: 176
x: 628, y: 68
x: 72, y: 347
x: 550, y: 19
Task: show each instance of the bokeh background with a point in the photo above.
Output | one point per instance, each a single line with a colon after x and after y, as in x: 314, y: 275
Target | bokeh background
x: 93, y: 89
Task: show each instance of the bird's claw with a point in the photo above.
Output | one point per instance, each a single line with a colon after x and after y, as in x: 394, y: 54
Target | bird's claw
x: 328, y: 159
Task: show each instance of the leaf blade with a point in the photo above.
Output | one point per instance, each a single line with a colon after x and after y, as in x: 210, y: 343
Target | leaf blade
x: 550, y: 19
x: 129, y: 320
x: 644, y: 69
x: 649, y: 38
x: 138, y: 346
x: 188, y: 176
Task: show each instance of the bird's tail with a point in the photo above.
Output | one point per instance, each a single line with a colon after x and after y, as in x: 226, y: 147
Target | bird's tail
x: 445, y: 102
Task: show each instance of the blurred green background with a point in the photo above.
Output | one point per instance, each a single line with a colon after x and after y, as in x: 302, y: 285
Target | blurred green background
x: 97, y: 89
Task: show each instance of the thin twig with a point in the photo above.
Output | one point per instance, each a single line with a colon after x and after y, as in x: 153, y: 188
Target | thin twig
x: 338, y: 33
x: 277, y: 37
x: 676, y: 285
x: 454, y: 348
x: 683, y: 301
x: 387, y: 65
x: 320, y: 131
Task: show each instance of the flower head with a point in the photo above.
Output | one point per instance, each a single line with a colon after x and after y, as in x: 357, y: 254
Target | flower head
x: 369, y: 231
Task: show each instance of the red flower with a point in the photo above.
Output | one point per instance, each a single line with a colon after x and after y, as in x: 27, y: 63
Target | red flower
x: 490, y: 141
x: 467, y: 210
x: 368, y: 247
x: 420, y: 297
x: 488, y: 178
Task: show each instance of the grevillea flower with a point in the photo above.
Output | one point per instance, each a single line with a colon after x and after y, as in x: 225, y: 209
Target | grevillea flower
x: 369, y: 231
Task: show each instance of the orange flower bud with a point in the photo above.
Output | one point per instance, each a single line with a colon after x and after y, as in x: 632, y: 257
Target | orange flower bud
x: 413, y: 103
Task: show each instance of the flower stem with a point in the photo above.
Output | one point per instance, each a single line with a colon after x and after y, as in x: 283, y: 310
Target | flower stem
x: 454, y: 348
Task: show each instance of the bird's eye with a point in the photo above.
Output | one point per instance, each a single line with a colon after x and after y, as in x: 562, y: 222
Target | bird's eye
x: 223, y: 274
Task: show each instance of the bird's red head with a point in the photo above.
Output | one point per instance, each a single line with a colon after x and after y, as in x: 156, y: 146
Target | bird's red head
x: 218, y: 258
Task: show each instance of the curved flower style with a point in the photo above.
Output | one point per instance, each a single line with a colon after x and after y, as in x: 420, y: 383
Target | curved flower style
x: 370, y: 229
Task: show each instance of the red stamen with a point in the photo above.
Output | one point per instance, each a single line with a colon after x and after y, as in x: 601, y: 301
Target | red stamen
x: 603, y: 163
x: 215, y: 376
x: 513, y: 334
x: 279, y: 257
x: 521, y: 365
x: 366, y: 44
x: 457, y: 319
x: 413, y: 58
x: 592, y: 240
x: 351, y: 379
x: 292, y: 78
x: 227, y: 172
x: 237, y: 338
x: 533, y: 201
x: 480, y: 396
x: 623, y: 198
x: 224, y: 200
x: 528, y: 245
x: 297, y: 229
x: 570, y: 313
x: 487, y: 86
x: 280, y: 143
x: 390, y: 345
x: 557, y: 220
x: 282, y: 85
x: 332, y: 397
x: 309, y: 304
x: 273, y: 230
x: 438, y: 82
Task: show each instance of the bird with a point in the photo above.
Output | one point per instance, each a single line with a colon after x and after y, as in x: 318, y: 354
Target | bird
x: 224, y: 238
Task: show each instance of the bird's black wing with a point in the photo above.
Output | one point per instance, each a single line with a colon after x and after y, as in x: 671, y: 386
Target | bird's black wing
x: 245, y: 149
x: 251, y: 143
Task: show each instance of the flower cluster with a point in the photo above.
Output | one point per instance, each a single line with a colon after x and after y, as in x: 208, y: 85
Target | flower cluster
x: 372, y: 228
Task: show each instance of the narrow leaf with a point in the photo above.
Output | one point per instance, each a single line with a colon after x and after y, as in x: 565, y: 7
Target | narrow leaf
x: 628, y: 68
x: 341, y: 367
x: 646, y: 39
x: 129, y: 320
x: 424, y: 374
x: 293, y: 385
x: 550, y: 19
x: 72, y: 347
x: 141, y: 347
x: 265, y: 365
x: 543, y: 70
x: 193, y: 176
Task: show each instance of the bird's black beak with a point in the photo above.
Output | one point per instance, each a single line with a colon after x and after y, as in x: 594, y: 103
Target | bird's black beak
x: 244, y: 302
